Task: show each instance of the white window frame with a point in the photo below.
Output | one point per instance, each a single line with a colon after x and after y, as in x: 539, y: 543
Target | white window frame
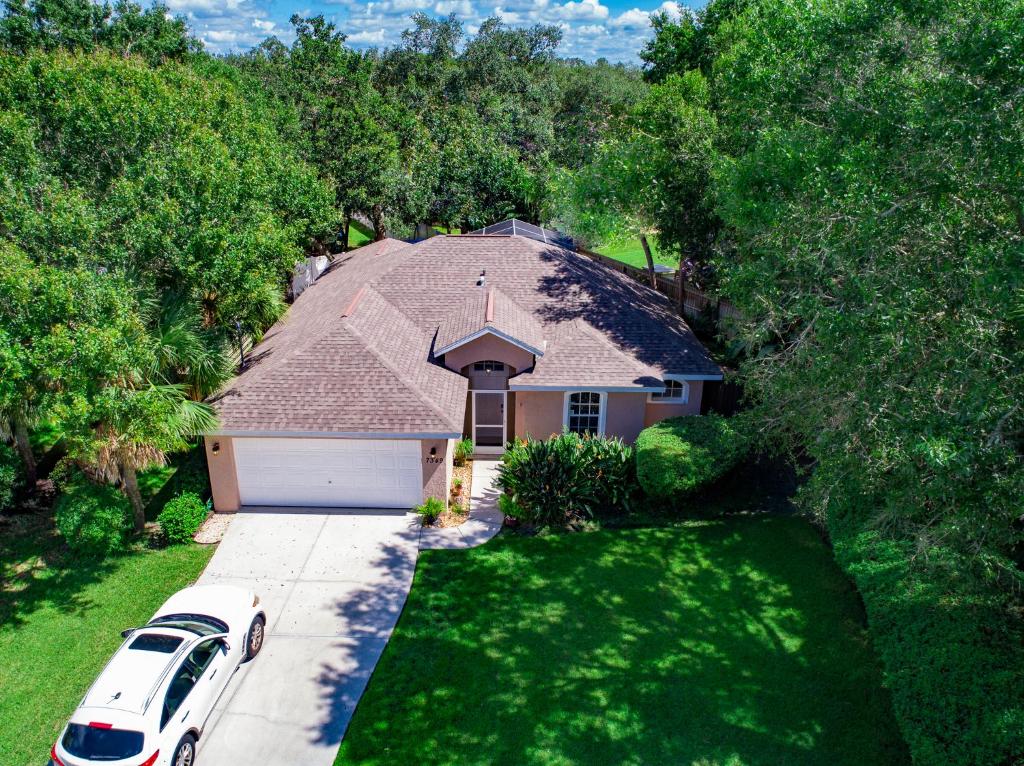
x: 496, y: 367
x: 654, y: 398
x: 602, y: 408
x: 481, y: 450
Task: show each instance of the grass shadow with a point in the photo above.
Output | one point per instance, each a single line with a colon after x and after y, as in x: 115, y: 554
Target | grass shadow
x: 732, y: 641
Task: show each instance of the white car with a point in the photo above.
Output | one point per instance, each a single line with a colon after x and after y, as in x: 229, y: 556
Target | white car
x: 149, y: 705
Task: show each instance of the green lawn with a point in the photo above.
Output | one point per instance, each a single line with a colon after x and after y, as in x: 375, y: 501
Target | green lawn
x: 632, y: 252
x: 358, y: 235
x: 730, y: 642
x: 61, y: 616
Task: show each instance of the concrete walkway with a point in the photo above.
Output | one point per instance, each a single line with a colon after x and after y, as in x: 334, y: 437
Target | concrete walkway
x: 484, y: 520
x: 333, y: 583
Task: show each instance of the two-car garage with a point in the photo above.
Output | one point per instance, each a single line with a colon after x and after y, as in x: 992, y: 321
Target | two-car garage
x: 325, y: 472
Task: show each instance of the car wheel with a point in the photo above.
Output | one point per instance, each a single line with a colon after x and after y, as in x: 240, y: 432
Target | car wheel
x: 254, y: 638
x: 185, y: 753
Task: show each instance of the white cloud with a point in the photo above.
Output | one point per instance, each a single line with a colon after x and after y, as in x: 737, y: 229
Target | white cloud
x: 632, y: 19
x: 367, y: 38
x: 584, y: 10
x: 458, y: 7
x: 590, y: 30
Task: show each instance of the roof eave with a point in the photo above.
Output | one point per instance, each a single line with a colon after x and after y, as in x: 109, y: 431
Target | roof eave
x: 488, y: 331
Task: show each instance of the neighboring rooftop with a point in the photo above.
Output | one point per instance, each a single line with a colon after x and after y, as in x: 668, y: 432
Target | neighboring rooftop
x: 359, y: 351
x: 516, y: 228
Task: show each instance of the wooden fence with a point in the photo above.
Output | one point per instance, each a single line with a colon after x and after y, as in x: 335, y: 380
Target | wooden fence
x: 695, y: 302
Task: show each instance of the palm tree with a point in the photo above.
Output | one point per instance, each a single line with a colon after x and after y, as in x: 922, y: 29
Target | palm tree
x: 186, y: 353
x: 15, y: 421
x: 138, y: 429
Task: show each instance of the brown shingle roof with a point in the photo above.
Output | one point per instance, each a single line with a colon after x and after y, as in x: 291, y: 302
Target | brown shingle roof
x: 487, y: 308
x: 373, y: 370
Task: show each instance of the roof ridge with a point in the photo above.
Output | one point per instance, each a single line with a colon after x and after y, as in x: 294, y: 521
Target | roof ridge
x: 411, y: 384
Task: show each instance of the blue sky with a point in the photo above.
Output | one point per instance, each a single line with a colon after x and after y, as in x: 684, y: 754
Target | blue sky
x: 614, y: 29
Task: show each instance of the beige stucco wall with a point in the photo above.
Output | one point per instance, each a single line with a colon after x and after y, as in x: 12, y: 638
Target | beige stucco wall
x: 659, y: 411
x: 488, y: 347
x: 538, y: 413
x: 223, y: 477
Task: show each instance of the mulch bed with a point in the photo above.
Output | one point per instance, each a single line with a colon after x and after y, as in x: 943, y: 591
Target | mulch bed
x: 458, y: 507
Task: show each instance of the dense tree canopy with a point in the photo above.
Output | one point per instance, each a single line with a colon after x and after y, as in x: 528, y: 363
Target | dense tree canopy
x: 150, y: 209
x: 869, y: 195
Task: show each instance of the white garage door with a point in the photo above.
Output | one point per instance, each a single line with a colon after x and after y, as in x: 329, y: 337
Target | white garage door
x: 340, y: 473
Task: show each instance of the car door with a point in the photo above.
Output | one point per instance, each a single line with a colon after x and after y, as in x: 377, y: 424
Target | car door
x: 190, y: 694
x: 211, y: 662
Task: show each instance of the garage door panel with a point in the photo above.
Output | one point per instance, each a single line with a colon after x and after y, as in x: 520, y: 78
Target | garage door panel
x: 367, y: 473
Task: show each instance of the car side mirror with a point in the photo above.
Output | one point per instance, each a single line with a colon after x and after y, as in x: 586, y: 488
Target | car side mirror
x: 224, y: 645
x: 127, y: 632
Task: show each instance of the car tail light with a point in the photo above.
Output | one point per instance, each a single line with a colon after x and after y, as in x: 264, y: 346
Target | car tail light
x: 151, y: 760
x: 101, y: 725
x: 53, y: 757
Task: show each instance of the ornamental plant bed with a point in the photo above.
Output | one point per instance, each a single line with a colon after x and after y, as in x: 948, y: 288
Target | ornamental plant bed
x: 458, y: 505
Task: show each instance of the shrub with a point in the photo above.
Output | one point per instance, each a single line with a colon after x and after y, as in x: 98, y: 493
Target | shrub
x: 10, y: 475
x: 508, y: 507
x: 463, y: 449
x: 567, y: 477
x: 679, y: 455
x: 951, y: 649
x: 182, y: 516
x: 94, y: 519
x: 430, y: 510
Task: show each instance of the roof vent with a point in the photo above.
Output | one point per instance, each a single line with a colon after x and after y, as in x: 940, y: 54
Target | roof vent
x: 483, y: 278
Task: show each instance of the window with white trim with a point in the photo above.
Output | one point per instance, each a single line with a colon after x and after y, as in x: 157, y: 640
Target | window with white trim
x: 676, y: 392
x: 489, y: 366
x: 583, y: 412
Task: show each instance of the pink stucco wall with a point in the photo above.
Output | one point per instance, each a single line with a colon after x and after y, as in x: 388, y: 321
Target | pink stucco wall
x: 437, y: 469
x: 223, y: 477
x: 659, y: 411
x: 485, y: 348
x: 538, y: 413
x: 625, y: 416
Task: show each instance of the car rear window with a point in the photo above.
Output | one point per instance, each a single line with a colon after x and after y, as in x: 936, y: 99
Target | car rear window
x: 156, y: 642
x: 101, y: 743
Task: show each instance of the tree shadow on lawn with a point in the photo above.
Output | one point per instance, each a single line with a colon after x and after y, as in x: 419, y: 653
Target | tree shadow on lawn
x: 37, y: 570
x: 733, y: 641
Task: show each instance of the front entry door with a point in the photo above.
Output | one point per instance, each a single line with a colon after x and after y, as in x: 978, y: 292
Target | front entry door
x: 489, y: 421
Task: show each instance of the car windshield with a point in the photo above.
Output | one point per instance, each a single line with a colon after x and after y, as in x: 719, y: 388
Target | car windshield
x: 156, y: 642
x: 200, y: 624
x: 101, y: 743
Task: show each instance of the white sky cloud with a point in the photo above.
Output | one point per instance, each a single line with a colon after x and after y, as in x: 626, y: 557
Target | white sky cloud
x: 584, y: 10
x: 591, y: 28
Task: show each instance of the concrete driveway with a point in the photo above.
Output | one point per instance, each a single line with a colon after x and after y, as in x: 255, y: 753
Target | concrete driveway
x: 333, y: 583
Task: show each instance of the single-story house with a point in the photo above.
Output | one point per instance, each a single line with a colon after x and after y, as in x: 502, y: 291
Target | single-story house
x: 357, y: 396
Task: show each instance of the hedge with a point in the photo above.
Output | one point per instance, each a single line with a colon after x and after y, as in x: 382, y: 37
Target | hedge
x: 952, y: 652
x: 94, y: 519
x: 182, y: 516
x: 679, y: 455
